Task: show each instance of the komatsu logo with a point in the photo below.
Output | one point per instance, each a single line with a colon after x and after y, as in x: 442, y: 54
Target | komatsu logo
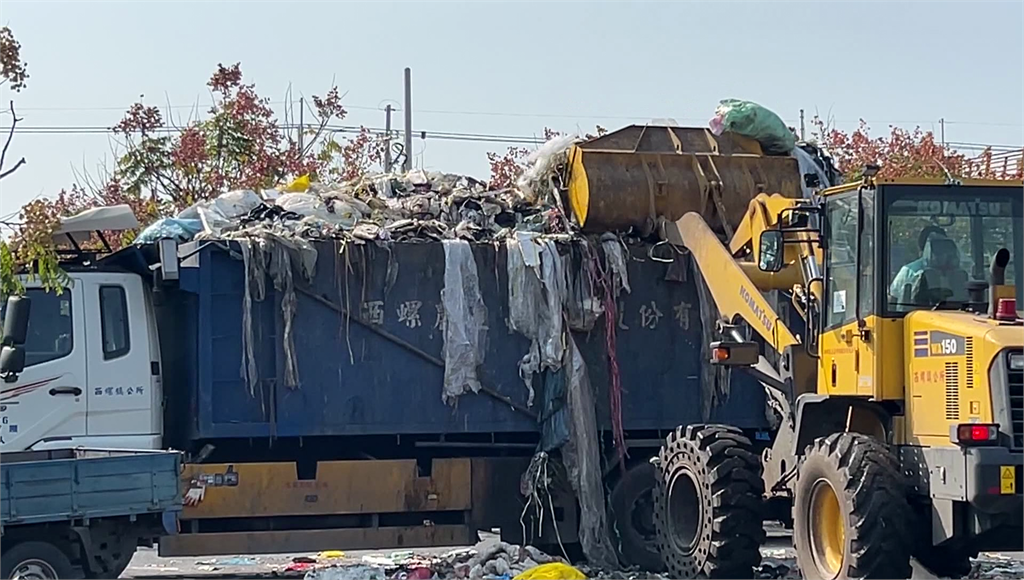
x: 758, y: 312
x: 972, y: 207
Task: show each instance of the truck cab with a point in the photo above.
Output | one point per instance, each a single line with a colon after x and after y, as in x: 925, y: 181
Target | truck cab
x: 91, y: 370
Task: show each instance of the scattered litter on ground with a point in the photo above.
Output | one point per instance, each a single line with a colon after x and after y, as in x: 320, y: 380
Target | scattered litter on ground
x: 354, y: 572
x: 330, y: 554
x: 551, y: 571
x: 236, y: 561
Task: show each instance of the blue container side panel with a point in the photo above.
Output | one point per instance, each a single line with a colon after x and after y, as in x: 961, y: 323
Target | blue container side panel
x: 354, y: 381
x: 60, y: 489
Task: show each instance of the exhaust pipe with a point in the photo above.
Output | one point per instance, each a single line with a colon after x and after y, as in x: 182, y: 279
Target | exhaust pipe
x: 997, y: 277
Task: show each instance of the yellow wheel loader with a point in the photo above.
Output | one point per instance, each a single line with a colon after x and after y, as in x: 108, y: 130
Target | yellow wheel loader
x: 881, y: 318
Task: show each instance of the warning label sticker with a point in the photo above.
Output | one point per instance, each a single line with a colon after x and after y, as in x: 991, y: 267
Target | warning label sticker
x: 1007, y: 480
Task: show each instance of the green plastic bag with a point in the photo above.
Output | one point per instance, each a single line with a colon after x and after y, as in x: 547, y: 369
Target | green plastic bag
x: 752, y: 120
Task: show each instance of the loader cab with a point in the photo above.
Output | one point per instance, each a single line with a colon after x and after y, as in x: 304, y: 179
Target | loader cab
x: 894, y: 248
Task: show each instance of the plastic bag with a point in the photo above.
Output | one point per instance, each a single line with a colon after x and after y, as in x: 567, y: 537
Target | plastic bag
x: 552, y: 571
x: 752, y: 120
x: 218, y: 214
x: 178, y: 229
x: 299, y: 185
x: 344, y: 215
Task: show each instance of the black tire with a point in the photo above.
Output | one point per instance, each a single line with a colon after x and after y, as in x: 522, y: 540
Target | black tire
x: 112, y: 551
x: 632, y: 502
x: 48, y: 560
x: 854, y: 481
x: 708, y: 506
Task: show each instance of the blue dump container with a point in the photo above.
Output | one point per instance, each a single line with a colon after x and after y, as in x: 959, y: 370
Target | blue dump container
x: 355, y: 380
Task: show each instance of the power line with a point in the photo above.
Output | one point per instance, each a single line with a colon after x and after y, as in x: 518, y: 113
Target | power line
x: 441, y: 135
x: 519, y: 114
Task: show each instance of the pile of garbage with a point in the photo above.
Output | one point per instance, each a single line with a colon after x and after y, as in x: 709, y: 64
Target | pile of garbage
x: 416, y: 206
x: 494, y: 561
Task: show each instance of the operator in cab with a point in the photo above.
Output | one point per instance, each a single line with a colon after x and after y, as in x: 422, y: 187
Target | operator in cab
x: 908, y: 273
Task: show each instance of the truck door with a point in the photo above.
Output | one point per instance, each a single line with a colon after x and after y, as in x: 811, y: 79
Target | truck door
x: 122, y: 398
x: 46, y: 405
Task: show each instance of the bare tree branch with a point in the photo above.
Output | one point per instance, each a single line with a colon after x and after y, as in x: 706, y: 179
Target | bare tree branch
x: 7, y: 144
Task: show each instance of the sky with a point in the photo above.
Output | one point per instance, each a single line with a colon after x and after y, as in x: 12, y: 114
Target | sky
x: 512, y: 68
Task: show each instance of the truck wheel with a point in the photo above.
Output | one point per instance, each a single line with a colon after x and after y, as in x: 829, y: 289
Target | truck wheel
x: 35, y: 561
x: 112, y: 550
x: 851, y: 518
x: 708, y: 511
x: 632, y: 501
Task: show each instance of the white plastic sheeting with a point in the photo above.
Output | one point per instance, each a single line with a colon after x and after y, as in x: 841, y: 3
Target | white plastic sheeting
x: 582, y: 458
x: 222, y: 212
x: 465, y: 321
x: 279, y: 254
x: 534, y: 182
x: 807, y: 165
x: 536, y: 294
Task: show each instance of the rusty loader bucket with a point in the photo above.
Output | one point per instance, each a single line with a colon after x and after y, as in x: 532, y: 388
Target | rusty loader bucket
x: 633, y: 176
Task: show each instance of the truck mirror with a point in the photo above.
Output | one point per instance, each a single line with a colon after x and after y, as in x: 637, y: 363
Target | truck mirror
x: 12, y: 362
x: 770, y: 254
x: 16, y: 320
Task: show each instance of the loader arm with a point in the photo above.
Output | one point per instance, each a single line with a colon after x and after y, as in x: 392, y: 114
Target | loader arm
x: 734, y: 293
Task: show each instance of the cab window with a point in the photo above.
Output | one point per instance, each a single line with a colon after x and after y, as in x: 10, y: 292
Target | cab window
x: 114, y: 320
x: 939, y: 241
x: 843, y: 223
x: 50, y: 329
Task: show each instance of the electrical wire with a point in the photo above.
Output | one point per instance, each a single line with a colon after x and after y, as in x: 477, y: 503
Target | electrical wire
x: 519, y: 114
x: 440, y: 135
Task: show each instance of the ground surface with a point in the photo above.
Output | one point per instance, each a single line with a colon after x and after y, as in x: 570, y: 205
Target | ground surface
x: 779, y: 562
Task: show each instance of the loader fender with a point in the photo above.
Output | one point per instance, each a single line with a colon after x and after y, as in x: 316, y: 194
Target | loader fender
x: 822, y: 415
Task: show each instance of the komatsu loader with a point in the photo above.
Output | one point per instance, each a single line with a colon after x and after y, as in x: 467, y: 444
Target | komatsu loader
x: 881, y: 318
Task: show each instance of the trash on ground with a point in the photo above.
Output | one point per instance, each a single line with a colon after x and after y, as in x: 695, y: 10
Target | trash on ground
x: 237, y: 561
x: 551, y: 571
x: 353, y: 572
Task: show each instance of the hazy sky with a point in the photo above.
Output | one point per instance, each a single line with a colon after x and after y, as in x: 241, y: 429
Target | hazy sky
x: 511, y: 68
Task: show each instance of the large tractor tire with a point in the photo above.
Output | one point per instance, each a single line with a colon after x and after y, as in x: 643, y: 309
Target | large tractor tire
x: 632, y: 502
x: 708, y: 506
x: 851, y: 518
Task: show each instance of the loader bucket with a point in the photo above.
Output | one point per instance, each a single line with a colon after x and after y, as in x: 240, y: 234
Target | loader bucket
x: 633, y: 176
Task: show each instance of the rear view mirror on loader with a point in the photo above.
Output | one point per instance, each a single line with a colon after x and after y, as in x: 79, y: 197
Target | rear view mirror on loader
x: 770, y: 256
x: 12, y: 353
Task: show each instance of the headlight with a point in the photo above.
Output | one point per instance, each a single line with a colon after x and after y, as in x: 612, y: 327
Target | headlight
x: 1017, y: 361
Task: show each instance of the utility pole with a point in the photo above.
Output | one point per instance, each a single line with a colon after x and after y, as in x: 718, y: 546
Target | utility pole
x: 302, y: 110
x: 408, y: 119
x: 803, y: 136
x: 387, y: 139
x: 942, y: 131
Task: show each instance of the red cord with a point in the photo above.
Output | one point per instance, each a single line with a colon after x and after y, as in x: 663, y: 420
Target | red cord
x: 603, y: 278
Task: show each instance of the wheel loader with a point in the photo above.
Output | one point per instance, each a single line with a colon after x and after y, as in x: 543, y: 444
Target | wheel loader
x: 881, y: 318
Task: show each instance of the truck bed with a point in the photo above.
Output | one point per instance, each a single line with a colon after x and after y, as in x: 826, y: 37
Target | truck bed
x: 43, y: 487
x: 353, y: 380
